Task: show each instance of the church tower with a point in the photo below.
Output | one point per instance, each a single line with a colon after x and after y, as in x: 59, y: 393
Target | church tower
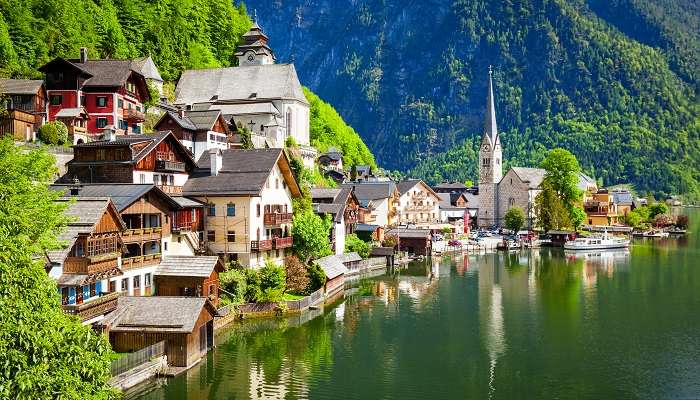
x: 490, y: 164
x: 255, y: 50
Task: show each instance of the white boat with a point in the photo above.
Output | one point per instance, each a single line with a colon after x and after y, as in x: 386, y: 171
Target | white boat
x: 602, y: 242
x: 655, y: 234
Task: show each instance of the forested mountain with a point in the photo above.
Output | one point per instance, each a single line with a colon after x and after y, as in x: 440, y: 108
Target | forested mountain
x: 178, y: 34
x: 614, y: 81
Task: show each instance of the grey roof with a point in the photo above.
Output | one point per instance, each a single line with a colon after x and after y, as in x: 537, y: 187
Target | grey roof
x: 197, y: 266
x: 70, y: 112
x: 147, y: 68
x: 450, y: 186
x: 122, y: 194
x: 584, y: 181
x: 324, y: 193
x: 243, y: 172
x: 405, y: 186
x: 184, y: 122
x: 445, y: 200
x: 106, y: 73
x: 203, y: 120
x: 350, y: 257
x: 381, y: 251
x: 532, y: 176
x: 158, y: 314
x: 622, y: 197
x: 336, y: 210
x: 490, y: 127
x: 250, y: 83
x: 410, y: 233
x: 372, y: 190
x: 472, y: 200
x: 242, y: 109
x: 366, y: 227
x: 20, y: 86
x: 186, y: 202
x: 332, y: 266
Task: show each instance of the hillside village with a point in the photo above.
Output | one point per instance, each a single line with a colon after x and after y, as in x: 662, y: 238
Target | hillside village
x: 158, y: 217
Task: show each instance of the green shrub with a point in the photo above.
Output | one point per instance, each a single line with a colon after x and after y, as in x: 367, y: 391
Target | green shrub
x: 234, y: 286
x: 317, y: 278
x: 296, y: 274
x: 54, y: 133
x: 252, y: 290
x: 290, y: 143
x: 354, y: 243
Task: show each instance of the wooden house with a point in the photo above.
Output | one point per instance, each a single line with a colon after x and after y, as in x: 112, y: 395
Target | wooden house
x: 189, y: 277
x: 198, y: 131
x: 335, y: 271
x: 186, y: 324
x: 90, y: 258
x: 158, y: 159
x: 342, y: 206
x: 25, y: 102
x: 413, y: 241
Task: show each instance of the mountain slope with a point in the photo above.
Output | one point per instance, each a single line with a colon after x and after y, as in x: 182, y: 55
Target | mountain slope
x: 410, y: 76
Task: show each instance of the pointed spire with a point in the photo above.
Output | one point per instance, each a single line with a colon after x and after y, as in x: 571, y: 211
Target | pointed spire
x: 490, y: 128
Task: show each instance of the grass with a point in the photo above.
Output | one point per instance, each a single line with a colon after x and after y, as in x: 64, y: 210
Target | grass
x: 292, y: 296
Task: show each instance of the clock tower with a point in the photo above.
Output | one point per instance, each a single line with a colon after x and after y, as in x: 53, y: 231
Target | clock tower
x: 490, y: 164
x: 255, y: 50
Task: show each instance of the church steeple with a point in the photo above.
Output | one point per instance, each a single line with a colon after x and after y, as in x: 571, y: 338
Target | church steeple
x: 255, y: 50
x: 490, y: 127
x: 490, y: 154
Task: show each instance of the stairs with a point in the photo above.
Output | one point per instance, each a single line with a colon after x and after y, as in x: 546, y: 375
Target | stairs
x: 193, y: 239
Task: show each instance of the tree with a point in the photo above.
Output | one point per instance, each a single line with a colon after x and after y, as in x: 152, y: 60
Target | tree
x: 272, y: 282
x: 515, y: 219
x: 562, y: 174
x: 657, y: 209
x: 662, y: 221
x: 310, y: 233
x: 390, y: 241
x: 682, y: 221
x: 297, y: 275
x: 355, y: 244
x: 54, y: 133
x: 246, y: 141
x: 234, y: 286
x: 577, y: 217
x: 44, y: 353
x: 317, y: 278
x: 551, y: 213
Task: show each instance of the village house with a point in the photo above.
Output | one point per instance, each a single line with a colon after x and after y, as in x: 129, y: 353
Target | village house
x: 158, y: 159
x: 258, y: 95
x: 89, y: 259
x: 25, y: 105
x: 519, y: 187
x: 335, y: 271
x: 458, y: 209
x: 248, y: 196
x: 190, y: 277
x: 418, y: 204
x: 198, y: 131
x: 343, y: 208
x: 600, y: 208
x: 111, y: 91
x: 369, y: 232
x: 624, y: 201
x: 379, y: 199
x: 185, y: 324
x: 412, y: 241
x: 332, y: 159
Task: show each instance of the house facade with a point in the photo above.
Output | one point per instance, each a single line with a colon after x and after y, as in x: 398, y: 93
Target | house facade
x: 112, y: 93
x: 248, y: 204
x: 601, y: 209
x: 418, y: 204
x: 378, y: 202
x: 342, y: 207
x: 25, y: 103
x: 198, y: 131
x: 189, y: 276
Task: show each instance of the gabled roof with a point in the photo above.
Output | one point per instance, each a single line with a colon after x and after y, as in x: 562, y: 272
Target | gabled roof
x: 336, y: 210
x: 147, y: 68
x: 622, y: 197
x: 405, y: 186
x: 410, y: 233
x: 450, y: 186
x: 188, y: 266
x: 72, y: 113
x: 204, y: 120
x: 122, y: 194
x: 324, y: 193
x: 20, y: 86
x: 532, y: 176
x: 372, y: 190
x: 332, y: 266
x: 240, y: 109
x: 240, y: 84
x: 243, y: 172
x: 158, y: 314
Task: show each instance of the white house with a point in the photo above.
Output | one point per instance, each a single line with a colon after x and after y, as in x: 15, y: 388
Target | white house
x: 418, y: 203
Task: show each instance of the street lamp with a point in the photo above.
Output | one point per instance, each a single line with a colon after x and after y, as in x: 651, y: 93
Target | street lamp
x: 252, y: 125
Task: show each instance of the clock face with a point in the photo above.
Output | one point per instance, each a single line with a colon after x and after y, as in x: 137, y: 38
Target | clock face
x: 485, y: 147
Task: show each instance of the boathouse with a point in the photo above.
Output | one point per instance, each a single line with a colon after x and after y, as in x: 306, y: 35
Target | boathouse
x: 189, y: 276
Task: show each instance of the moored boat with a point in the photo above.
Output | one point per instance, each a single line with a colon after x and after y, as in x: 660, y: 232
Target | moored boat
x: 602, y: 242
x: 655, y: 234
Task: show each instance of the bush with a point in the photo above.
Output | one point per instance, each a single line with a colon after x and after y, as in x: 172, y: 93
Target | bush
x: 515, y: 219
x: 446, y: 230
x: 297, y: 275
x: 390, y: 241
x: 657, y: 209
x: 252, y: 289
x: 317, y: 278
x: 662, y: 220
x: 354, y: 243
x: 54, y: 133
x: 234, y: 286
x: 682, y: 221
x: 272, y: 282
x: 290, y: 143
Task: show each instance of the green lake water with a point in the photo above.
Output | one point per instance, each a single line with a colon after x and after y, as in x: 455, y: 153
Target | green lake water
x: 540, y: 324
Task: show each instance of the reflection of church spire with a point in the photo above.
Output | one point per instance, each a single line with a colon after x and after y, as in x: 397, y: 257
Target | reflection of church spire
x: 490, y: 127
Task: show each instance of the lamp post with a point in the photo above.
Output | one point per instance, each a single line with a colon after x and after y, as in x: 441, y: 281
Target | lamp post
x: 251, y: 124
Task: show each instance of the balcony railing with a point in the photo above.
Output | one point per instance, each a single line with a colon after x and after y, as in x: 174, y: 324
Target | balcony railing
x: 261, y: 245
x: 140, y: 261
x: 141, y: 234
x: 169, y: 189
x: 93, y: 308
x: 277, y: 218
x: 170, y: 166
x: 412, y: 207
x: 283, y: 243
x: 90, y: 264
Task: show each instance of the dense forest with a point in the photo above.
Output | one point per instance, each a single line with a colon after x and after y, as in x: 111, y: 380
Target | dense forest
x: 178, y: 34
x: 616, y: 82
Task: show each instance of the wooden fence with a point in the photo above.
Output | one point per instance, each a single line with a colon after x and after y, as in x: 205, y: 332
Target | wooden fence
x: 137, y: 358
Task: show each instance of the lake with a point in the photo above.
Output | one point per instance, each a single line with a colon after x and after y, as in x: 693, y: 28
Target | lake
x: 540, y: 324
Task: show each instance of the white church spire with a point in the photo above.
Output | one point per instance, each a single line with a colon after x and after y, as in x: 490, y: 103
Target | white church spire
x: 490, y: 127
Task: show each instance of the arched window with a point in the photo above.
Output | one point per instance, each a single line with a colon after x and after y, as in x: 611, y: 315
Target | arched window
x: 511, y: 202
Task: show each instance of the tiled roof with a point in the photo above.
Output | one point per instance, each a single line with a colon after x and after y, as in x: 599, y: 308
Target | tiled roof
x: 70, y: 112
x: 373, y: 190
x: 106, y: 73
x: 275, y: 81
x: 336, y: 210
x: 20, y: 86
x: 122, y: 194
x: 405, y: 186
x: 203, y: 120
x: 332, y: 266
x: 324, y: 193
x: 196, y: 266
x: 158, y: 314
x: 410, y: 233
x: 533, y: 176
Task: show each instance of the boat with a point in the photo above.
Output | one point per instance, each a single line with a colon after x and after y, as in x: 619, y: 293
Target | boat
x: 677, y: 231
x: 655, y: 234
x: 508, y: 245
x: 602, y: 242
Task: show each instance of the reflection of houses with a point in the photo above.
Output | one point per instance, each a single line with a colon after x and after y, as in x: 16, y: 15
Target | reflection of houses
x: 343, y: 208
x: 379, y: 199
x: 159, y: 159
x: 417, y: 203
x: 91, y: 257
x: 186, y: 324
x: 248, y: 196
x: 25, y: 104
x: 198, y: 131
x: 413, y: 241
x: 190, y: 277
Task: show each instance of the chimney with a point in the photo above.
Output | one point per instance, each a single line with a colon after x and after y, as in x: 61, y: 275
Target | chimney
x: 83, y: 55
x: 181, y: 112
x: 75, y: 187
x: 215, y: 161
x: 109, y: 133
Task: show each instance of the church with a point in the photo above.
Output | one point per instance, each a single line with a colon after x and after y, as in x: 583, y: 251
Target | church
x: 519, y: 187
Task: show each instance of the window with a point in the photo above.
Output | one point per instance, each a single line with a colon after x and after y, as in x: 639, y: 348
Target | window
x: 83, y: 100
x: 137, y: 282
x: 56, y: 99
x: 138, y: 108
x: 231, y: 236
x: 231, y: 210
x: 64, y: 295
x: 165, y: 246
x: 257, y: 210
x: 142, y: 178
x: 93, y: 289
x: 171, y: 180
x: 101, y: 122
x: 120, y: 103
x: 125, y: 284
x: 211, y: 210
x: 123, y: 124
x: 277, y: 183
x: 486, y: 162
x: 147, y: 280
x: 211, y: 236
x: 101, y: 101
x: 112, y: 286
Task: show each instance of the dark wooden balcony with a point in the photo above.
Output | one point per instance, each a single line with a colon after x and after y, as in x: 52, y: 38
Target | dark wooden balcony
x: 90, y: 264
x: 140, y: 261
x: 277, y: 218
x: 170, y: 189
x: 94, y: 307
x: 170, y: 166
x: 141, y: 235
x: 283, y: 243
x: 261, y: 245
